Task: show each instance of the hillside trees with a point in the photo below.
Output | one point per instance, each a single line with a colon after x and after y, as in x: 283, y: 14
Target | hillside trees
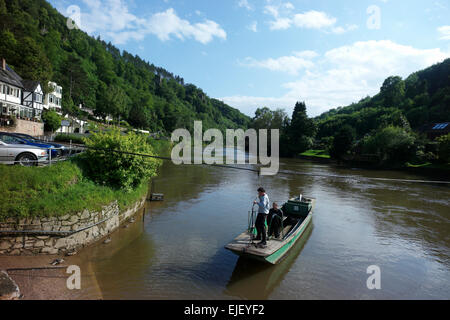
x: 93, y: 73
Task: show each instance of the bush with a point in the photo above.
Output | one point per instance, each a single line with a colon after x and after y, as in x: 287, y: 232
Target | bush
x: 444, y: 149
x: 69, y: 137
x: 392, y: 144
x: 116, y: 169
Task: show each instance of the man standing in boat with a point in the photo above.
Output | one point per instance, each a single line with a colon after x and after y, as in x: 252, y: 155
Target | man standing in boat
x: 263, y: 211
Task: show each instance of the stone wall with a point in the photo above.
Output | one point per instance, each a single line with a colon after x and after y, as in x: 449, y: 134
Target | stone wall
x: 27, y: 127
x: 60, y: 235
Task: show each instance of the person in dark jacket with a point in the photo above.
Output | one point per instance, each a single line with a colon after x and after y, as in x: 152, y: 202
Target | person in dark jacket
x: 274, y: 221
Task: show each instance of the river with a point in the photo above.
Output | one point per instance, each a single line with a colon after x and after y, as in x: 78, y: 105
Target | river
x: 176, y: 248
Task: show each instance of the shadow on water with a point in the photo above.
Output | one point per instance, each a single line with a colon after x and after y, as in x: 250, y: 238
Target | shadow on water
x: 255, y: 280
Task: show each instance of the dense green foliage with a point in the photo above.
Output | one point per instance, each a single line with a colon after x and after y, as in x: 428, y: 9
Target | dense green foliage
x: 392, y: 144
x: 296, y: 135
x: 105, y: 163
x: 56, y: 190
x: 76, y: 139
x: 36, y: 42
x: 52, y: 121
x: 444, y: 149
x: 342, y: 142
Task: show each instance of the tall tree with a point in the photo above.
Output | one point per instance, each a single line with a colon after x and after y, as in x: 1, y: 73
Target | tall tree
x: 301, y: 132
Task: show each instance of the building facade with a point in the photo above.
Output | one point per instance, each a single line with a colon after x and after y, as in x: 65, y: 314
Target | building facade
x: 33, y: 97
x: 53, y: 99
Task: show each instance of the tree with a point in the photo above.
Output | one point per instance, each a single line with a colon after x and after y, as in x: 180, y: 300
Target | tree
x: 393, y: 91
x: 394, y: 145
x: 52, y: 121
x: 343, y: 142
x: 114, y: 101
x: 3, y: 9
x: 300, y: 133
x: 34, y: 64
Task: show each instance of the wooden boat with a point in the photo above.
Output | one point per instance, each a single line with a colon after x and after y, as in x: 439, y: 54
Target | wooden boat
x: 297, y: 216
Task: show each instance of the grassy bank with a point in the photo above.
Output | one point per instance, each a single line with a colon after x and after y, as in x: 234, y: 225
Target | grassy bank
x: 316, y: 154
x: 57, y: 190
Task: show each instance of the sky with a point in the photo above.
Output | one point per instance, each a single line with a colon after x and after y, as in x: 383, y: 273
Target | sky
x: 272, y: 53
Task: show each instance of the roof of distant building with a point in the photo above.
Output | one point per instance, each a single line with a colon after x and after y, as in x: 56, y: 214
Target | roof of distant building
x: 9, y: 76
x: 441, y: 126
x: 30, y: 85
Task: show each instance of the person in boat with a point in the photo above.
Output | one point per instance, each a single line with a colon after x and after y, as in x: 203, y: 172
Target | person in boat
x: 275, y: 221
x: 263, y: 211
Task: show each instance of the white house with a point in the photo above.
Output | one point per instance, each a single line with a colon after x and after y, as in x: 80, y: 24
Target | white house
x: 33, y: 97
x: 53, y: 99
x: 11, y: 90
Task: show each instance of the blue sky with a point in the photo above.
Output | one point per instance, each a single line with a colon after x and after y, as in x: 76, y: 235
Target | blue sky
x: 255, y: 53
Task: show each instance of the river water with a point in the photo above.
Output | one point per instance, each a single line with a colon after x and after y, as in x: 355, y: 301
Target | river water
x: 176, y: 248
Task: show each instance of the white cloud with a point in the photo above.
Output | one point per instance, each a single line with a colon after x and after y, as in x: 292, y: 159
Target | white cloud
x: 344, y: 75
x: 313, y: 20
x: 342, y: 30
x: 113, y: 19
x: 253, y: 26
x: 167, y: 23
x: 245, y: 4
x: 283, y: 19
x: 288, y: 64
x: 444, y: 32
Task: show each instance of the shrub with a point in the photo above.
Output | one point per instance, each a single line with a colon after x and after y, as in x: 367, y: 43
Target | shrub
x: 69, y: 137
x: 444, y: 149
x: 106, y: 166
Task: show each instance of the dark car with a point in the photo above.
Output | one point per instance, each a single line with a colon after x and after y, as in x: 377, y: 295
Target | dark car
x: 11, y: 138
x: 62, y: 150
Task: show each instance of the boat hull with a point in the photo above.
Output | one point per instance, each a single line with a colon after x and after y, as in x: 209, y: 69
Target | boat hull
x: 283, y: 251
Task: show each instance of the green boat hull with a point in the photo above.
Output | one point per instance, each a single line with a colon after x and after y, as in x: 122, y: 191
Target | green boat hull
x: 277, y: 256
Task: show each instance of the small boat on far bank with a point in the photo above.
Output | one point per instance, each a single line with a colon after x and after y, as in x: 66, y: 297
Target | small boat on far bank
x: 297, y: 215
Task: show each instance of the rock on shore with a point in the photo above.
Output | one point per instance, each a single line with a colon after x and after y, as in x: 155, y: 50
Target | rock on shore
x: 8, y: 288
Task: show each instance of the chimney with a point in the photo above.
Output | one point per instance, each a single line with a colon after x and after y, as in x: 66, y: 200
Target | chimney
x: 3, y: 64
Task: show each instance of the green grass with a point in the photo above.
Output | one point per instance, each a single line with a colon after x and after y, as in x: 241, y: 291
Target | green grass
x: 440, y: 166
x: 316, y: 154
x: 56, y: 191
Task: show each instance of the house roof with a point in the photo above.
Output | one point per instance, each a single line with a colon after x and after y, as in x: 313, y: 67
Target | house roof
x: 30, y: 85
x: 441, y: 126
x: 438, y: 127
x: 9, y: 76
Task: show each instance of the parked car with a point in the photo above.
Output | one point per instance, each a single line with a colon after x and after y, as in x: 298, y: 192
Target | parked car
x: 21, y: 154
x: 62, y: 150
x: 12, y: 138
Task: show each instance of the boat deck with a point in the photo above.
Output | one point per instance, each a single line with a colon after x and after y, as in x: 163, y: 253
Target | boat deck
x: 243, y: 243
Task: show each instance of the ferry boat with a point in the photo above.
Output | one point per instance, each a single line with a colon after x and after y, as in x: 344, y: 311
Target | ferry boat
x: 297, y: 215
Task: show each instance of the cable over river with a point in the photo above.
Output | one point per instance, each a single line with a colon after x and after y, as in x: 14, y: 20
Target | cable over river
x: 177, y: 251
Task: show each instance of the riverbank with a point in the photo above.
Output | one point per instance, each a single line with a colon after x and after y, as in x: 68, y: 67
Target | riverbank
x: 441, y: 171
x: 55, y: 191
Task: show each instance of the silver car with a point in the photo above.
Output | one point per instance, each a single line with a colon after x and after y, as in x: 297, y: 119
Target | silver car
x: 21, y: 154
